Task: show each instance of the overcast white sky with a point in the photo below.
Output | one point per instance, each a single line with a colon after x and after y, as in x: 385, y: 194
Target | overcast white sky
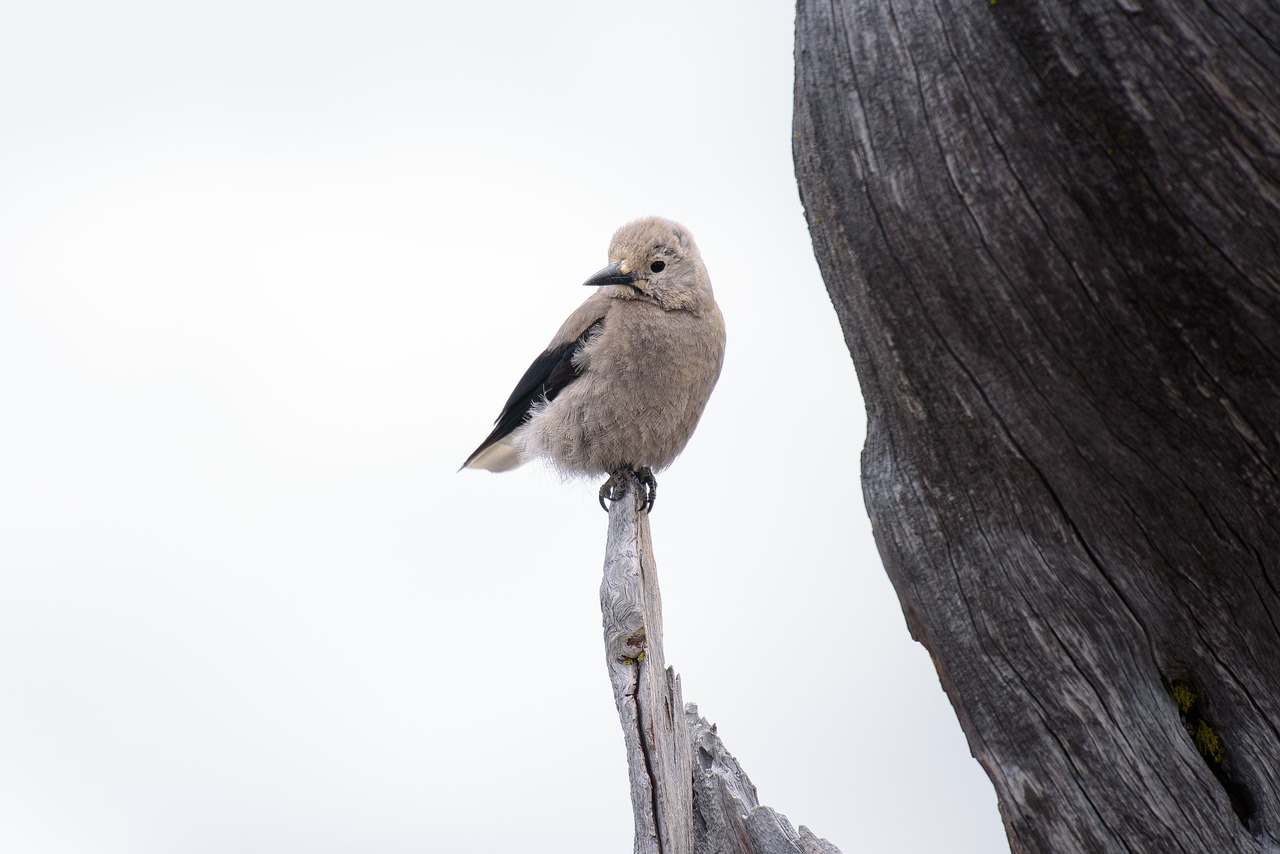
x: 267, y: 273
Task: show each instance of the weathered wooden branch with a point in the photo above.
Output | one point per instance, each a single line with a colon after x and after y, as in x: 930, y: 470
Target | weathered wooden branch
x: 689, y: 795
x: 645, y: 690
x: 727, y: 814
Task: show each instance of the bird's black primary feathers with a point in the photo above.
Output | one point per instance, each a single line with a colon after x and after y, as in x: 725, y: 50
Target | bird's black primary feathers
x: 549, y: 375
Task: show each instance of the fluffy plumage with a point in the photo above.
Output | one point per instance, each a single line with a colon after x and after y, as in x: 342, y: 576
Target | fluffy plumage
x: 623, y: 383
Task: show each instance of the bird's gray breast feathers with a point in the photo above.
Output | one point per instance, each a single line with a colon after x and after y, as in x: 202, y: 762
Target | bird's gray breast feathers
x: 641, y: 389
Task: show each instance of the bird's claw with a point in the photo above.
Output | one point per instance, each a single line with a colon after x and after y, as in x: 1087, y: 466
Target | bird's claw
x: 646, y: 479
x: 614, y: 488
x: 619, y: 482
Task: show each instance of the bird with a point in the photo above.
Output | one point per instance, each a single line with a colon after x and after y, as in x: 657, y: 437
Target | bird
x: 623, y: 383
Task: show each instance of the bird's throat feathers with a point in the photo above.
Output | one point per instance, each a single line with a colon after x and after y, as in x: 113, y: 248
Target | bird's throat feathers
x: 668, y: 299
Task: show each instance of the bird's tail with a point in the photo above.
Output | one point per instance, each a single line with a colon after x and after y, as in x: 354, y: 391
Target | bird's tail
x: 496, y: 457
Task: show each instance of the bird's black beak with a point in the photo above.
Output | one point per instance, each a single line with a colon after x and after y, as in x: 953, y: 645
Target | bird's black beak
x: 611, y: 275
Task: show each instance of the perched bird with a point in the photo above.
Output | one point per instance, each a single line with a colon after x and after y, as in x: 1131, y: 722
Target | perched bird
x: 623, y: 383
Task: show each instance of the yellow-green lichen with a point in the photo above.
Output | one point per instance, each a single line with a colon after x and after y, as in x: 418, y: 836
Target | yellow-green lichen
x: 1207, y: 742
x: 1183, y: 698
x: 1201, y: 732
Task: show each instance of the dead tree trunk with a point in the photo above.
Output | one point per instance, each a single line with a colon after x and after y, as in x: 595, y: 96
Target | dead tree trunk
x: 688, y: 794
x: 1051, y: 232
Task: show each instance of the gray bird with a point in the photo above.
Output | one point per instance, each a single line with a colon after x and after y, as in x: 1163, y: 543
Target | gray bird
x: 623, y: 383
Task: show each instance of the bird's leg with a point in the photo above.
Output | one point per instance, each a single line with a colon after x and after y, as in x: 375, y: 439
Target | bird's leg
x: 615, y: 487
x: 650, y: 484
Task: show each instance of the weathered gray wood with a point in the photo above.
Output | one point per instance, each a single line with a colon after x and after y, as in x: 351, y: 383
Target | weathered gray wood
x: 646, y: 691
x: 679, y: 807
x: 1051, y: 233
x: 728, y: 818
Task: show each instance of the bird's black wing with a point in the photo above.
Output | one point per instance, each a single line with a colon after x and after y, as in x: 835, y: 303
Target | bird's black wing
x: 549, y: 375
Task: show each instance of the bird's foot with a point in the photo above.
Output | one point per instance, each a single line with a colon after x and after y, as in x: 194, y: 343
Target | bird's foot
x: 646, y: 479
x: 614, y: 488
x: 619, y: 484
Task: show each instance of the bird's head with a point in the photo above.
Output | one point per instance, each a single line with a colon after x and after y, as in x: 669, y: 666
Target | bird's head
x: 656, y: 259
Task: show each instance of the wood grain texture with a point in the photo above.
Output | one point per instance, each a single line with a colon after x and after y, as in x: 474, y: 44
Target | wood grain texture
x: 645, y: 690
x: 728, y: 817
x: 1051, y: 232
x: 680, y: 807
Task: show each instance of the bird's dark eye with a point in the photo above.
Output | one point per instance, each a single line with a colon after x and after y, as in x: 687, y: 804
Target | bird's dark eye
x: 658, y: 266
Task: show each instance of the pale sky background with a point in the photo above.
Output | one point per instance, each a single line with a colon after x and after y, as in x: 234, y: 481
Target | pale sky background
x: 267, y: 273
